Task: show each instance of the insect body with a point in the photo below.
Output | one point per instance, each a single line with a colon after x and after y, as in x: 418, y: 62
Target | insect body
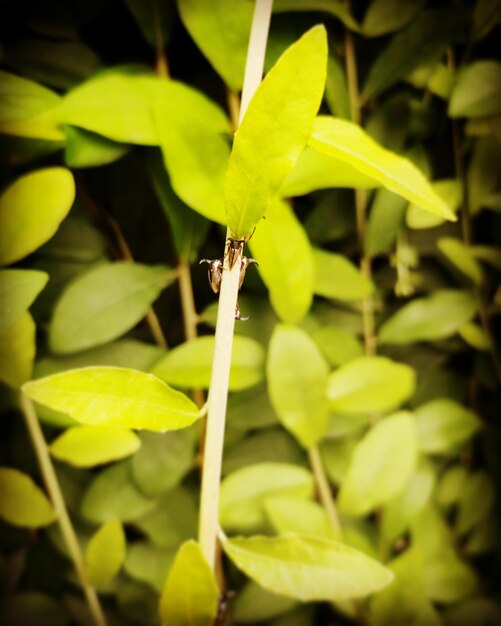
x: 215, y: 273
x: 234, y: 247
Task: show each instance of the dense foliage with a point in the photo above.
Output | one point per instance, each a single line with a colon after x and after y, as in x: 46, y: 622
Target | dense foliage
x: 361, y: 459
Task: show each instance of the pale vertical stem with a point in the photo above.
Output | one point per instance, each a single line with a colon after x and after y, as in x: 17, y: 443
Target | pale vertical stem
x: 324, y: 489
x: 63, y: 518
x: 218, y: 391
x: 368, y: 321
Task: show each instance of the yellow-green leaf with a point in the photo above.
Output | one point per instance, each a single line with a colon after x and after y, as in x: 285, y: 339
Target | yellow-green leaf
x: 348, y: 143
x: 105, y: 553
x: 274, y: 130
x: 17, y: 352
x: 336, y: 277
x: 22, y: 502
x: 450, y: 192
x: 31, y: 209
x: 114, y: 396
x: 18, y: 289
x: 477, y: 92
x: 190, y: 596
x: 460, y: 257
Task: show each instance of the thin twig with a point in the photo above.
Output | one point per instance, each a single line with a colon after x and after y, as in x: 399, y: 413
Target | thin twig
x: 324, y: 489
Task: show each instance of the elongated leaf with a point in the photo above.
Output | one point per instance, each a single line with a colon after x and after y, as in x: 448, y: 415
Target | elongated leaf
x: 475, y: 501
x: 190, y: 596
x: 434, y: 317
x: 104, y: 303
x: 386, y: 219
x: 190, y: 364
x: 370, y: 384
x: 380, y: 466
x: 386, y: 16
x: 114, y: 396
x: 461, y: 257
x: 297, y: 378
x: 275, y: 129
x: 18, y: 290
x: 450, y: 192
x: 154, y: 19
x: 17, y: 352
x: 22, y: 502
x: 443, y: 425
x: 149, y: 564
x: 337, y: 344
x: 336, y: 277
x: 54, y: 190
x: 333, y: 7
x: 86, y: 446
x: 307, y: 568
x: 221, y: 30
x: 283, y: 251
x: 195, y: 149
x: 477, y: 92
x: 255, y: 604
x: 86, y: 149
x: 450, y: 485
x: 336, y: 88
x: 475, y: 336
x: 244, y: 492
x: 348, y: 143
x: 105, y: 553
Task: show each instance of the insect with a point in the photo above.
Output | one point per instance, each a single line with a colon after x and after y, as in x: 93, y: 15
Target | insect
x: 234, y: 247
x: 223, y: 604
x: 215, y: 273
x: 246, y: 261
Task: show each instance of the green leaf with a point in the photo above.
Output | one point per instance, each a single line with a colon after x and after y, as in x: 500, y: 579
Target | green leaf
x: 86, y: 149
x: 149, y: 564
x: 336, y: 88
x: 244, y: 492
x: 114, y: 396
x: 370, y: 384
x: 17, y: 352
x: 292, y: 514
x: 113, y: 494
x: 443, y: 425
x: 163, y: 460
x: 274, y: 130
x: 221, y: 30
x: 477, y: 92
x: 475, y: 336
x: 32, y: 608
x: 22, y: 502
x: 483, y: 177
x: 18, y: 290
x: 450, y: 192
x: 337, y: 344
x: 255, y: 604
x: 105, y: 553
x: 154, y: 19
x: 190, y: 596
x: 348, y: 143
x: 277, y: 245
x: 460, y: 256
x: 307, y: 568
x: 193, y: 137
x: 386, y: 219
x: 25, y: 225
x: 297, y: 378
x: 476, y: 501
x: 336, y: 277
x: 386, y: 16
x: 380, y: 466
x: 122, y: 293
x: 335, y: 8
x: 86, y: 446
x: 189, y: 365
x: 450, y: 485
x: 436, y: 316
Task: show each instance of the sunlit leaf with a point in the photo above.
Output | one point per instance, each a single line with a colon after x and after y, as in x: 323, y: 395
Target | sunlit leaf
x: 336, y: 277
x: 22, y: 502
x: 306, y: 567
x: 274, y: 130
x: 477, y: 92
x: 380, y: 465
x: 244, y: 492
x: 292, y: 514
x: 297, y: 378
x: 370, y: 384
x: 386, y: 16
x: 337, y: 344
x: 105, y: 553
x: 190, y: 596
x: 114, y: 396
x: 348, y: 143
x: 460, y: 256
x: 24, y: 224
x: 18, y: 290
x: 86, y: 446
x: 104, y: 303
x: 450, y: 192
x: 17, y: 352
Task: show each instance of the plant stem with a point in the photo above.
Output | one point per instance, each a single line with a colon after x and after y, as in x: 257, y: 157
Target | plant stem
x: 324, y: 489
x: 218, y: 391
x: 54, y: 491
x: 368, y: 321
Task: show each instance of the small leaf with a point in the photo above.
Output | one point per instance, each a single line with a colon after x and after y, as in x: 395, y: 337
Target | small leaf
x: 477, y: 92
x: 386, y: 16
x: 476, y: 500
x: 274, y: 130
x: 17, y: 352
x: 370, y: 384
x: 292, y: 514
x: 335, y: 8
x: 105, y: 553
x: 426, y: 319
x: 297, y: 378
x: 255, y: 604
x: 380, y: 466
x: 22, y: 503
x: 114, y: 396
x: 86, y: 446
x: 244, y: 492
x: 475, y: 336
x: 18, y: 290
x: 54, y: 189
x: 461, y: 257
x: 443, y: 425
x: 348, y: 143
x: 450, y: 192
x: 86, y: 149
x: 122, y: 293
x: 386, y: 219
x: 336, y: 88
x: 149, y: 564
x: 307, y: 568
x: 337, y: 344
x: 336, y: 277
x: 190, y: 596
